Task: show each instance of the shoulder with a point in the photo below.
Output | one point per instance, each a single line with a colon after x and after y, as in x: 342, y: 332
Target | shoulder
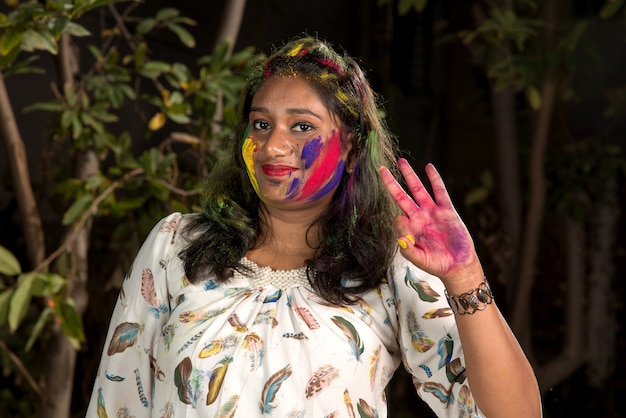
x: 168, y: 232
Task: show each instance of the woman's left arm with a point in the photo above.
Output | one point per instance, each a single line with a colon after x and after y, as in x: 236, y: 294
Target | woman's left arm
x: 434, y: 238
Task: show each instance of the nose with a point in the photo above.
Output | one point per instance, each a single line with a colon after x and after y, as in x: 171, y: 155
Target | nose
x: 277, y: 143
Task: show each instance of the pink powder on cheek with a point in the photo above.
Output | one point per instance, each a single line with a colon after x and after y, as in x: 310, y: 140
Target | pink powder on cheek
x: 323, y: 167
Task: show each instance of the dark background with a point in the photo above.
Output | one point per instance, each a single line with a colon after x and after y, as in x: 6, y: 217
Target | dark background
x: 438, y: 105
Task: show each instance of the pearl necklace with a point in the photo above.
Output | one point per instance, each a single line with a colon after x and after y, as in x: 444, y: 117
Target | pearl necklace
x: 280, y: 279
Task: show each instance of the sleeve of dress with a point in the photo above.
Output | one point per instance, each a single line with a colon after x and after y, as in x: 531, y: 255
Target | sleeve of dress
x: 430, y: 344
x: 123, y: 385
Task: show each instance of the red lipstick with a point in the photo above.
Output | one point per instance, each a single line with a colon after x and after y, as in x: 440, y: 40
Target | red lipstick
x: 272, y: 170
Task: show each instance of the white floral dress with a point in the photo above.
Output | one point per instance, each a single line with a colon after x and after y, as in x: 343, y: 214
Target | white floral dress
x: 266, y: 345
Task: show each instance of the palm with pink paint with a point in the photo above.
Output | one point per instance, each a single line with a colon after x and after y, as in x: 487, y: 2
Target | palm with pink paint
x: 431, y: 232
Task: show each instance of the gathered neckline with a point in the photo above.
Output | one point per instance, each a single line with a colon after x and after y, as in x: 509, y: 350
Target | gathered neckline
x: 280, y: 279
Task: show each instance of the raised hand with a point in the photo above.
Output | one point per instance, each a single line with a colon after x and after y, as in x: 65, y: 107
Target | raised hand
x: 431, y: 234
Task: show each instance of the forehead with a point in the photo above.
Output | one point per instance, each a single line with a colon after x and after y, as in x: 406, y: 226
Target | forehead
x: 287, y: 90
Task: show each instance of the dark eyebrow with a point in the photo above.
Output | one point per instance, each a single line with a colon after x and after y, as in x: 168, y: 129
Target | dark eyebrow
x: 290, y: 111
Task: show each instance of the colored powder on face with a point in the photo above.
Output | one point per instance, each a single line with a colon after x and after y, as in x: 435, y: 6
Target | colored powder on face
x: 248, y: 149
x: 293, y: 188
x: 311, y: 151
x: 323, y: 168
x: 332, y: 182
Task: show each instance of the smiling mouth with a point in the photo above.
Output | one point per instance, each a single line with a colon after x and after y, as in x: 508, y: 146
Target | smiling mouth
x: 277, y: 170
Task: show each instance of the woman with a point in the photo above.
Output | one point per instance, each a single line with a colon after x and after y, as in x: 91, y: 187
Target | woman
x: 301, y: 287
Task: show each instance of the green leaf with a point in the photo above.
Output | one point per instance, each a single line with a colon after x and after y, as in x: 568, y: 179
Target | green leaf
x: 167, y: 13
x: 47, y: 284
x: 219, y: 54
x: 8, y: 263
x: 5, y: 297
x: 39, y: 326
x: 51, y: 106
x: 9, y: 41
x: 153, y: 69
x: 74, y: 29
x: 78, y: 207
x: 43, y: 40
x: 534, y: 97
x: 159, y: 191
x: 20, y: 301
x: 71, y: 323
x: 183, y: 34
x: 610, y: 8
x: 145, y: 26
x: 476, y: 196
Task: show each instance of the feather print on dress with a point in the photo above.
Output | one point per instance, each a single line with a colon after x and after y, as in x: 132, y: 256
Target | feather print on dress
x: 219, y: 345
x: 149, y: 293
x: 236, y: 323
x: 124, y: 336
x: 374, y: 361
x: 439, y: 390
x: 140, y: 391
x: 169, y: 226
x: 199, y: 316
x: 182, y: 373
x: 254, y: 345
x: 114, y: 377
x: 351, y: 333
x: 167, y: 335
x: 420, y: 342
x: 347, y: 399
x: 273, y: 297
x: 271, y: 387
x: 455, y: 371
x: 266, y: 317
x: 167, y: 411
x: 101, y: 409
x: 366, y: 411
x: 321, y: 379
x: 227, y: 410
x: 444, y: 349
x: 437, y: 313
x: 216, y: 378
x: 465, y: 403
x: 307, y: 317
x: 422, y: 287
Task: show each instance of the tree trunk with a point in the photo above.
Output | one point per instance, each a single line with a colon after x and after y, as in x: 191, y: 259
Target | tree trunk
x: 602, y: 323
x: 18, y: 161
x: 509, y: 185
x: 229, y: 30
x: 520, y: 321
x: 60, y: 354
x: 573, y: 351
x: 231, y: 23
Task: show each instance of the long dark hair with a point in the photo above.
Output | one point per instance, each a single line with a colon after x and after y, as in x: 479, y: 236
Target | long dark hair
x: 357, y: 242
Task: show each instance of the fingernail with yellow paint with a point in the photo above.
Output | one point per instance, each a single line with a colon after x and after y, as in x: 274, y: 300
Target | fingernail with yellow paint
x: 411, y: 238
x: 402, y: 243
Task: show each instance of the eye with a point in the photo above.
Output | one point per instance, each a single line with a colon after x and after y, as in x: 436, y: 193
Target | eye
x: 260, y: 124
x: 302, y: 127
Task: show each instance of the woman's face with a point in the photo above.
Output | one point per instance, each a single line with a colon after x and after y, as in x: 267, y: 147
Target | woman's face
x: 293, y: 151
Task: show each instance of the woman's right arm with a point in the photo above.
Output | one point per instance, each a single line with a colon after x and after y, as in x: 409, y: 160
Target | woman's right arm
x: 124, y: 382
